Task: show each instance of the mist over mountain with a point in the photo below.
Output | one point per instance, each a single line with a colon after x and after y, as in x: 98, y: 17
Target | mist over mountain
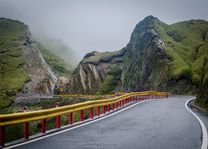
x: 58, y: 47
x: 93, y: 25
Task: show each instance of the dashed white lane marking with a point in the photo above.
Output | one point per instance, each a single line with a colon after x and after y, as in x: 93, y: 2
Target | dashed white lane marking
x: 204, y: 130
x: 78, y: 126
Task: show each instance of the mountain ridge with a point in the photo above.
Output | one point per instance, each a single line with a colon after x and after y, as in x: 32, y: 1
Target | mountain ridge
x: 158, y: 57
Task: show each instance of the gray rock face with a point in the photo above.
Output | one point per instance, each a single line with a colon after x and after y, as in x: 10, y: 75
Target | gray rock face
x: 145, y: 58
x: 92, y: 71
x: 42, y: 79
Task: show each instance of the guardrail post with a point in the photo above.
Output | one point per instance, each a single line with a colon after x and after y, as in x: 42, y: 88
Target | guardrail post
x: 58, y: 118
x: 109, y: 108
x: 98, y: 111
x: 104, y: 109
x: 113, y: 106
x: 91, y: 113
x: 70, y: 118
x: 82, y: 115
x: 122, y: 103
x: 58, y: 121
x: 2, y: 134
x: 26, y: 126
x: 116, y: 105
x: 43, y: 125
x: 26, y: 130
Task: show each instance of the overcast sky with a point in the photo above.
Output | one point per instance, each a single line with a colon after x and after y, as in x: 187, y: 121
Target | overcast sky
x: 101, y: 25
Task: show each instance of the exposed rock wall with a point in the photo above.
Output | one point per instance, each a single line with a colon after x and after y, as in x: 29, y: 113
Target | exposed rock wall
x: 89, y: 75
x: 146, y: 60
x: 42, y: 79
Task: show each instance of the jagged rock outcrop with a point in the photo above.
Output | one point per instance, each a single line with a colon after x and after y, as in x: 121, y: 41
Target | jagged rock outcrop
x: 146, y: 60
x: 93, y: 70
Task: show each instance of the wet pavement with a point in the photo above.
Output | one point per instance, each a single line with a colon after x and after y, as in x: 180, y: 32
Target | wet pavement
x: 155, y: 124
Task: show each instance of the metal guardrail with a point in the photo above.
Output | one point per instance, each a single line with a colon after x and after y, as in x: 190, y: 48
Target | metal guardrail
x: 42, y: 115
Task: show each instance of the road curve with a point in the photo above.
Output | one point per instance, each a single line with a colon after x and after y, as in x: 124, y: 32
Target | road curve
x: 155, y: 124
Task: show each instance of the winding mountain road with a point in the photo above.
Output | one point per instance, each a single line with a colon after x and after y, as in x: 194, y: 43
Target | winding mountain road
x: 153, y: 124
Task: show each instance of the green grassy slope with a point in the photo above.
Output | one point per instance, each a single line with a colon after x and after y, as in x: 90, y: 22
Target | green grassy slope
x: 186, y: 46
x: 12, y: 76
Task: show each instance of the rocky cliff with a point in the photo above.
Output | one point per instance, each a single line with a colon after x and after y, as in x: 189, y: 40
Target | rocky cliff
x: 96, y: 71
x: 158, y: 57
x: 23, y: 70
x: 42, y: 79
x: 145, y: 60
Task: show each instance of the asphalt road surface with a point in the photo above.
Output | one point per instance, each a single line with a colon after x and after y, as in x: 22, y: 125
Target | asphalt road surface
x: 155, y: 124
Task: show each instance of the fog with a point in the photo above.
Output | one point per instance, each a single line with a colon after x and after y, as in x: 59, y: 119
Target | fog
x: 101, y: 25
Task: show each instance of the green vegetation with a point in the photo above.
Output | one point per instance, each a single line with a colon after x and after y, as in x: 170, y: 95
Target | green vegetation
x: 12, y: 76
x: 187, y: 46
x: 111, y: 81
x: 14, y: 35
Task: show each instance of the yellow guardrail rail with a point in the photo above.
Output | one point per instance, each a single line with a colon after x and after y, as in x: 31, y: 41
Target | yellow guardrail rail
x: 83, y: 95
x: 26, y: 117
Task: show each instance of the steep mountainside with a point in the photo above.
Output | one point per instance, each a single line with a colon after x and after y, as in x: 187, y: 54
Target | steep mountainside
x: 158, y: 57
x: 23, y: 70
x: 98, y: 72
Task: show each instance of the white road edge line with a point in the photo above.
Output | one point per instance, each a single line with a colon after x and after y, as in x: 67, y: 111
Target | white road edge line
x: 204, y: 130
x: 78, y: 126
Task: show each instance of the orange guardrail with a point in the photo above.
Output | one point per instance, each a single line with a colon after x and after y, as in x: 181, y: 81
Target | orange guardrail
x: 42, y: 115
